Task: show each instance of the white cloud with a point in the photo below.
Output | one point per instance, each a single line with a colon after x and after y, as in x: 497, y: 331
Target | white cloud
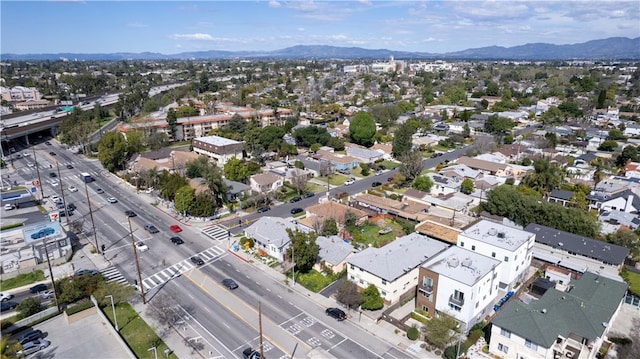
x: 274, y: 3
x: 196, y: 36
x: 301, y: 29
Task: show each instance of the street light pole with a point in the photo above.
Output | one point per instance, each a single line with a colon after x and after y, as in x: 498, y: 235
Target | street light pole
x: 95, y: 235
x: 64, y: 201
x: 114, y: 311
x: 155, y: 352
x: 35, y: 160
x: 293, y: 260
x: 53, y: 282
x: 135, y: 255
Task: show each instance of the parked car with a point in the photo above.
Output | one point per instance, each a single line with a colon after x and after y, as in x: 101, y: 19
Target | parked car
x: 34, y: 346
x: 130, y: 213
x: 43, y: 232
x: 250, y: 354
x: 379, y: 172
x: 336, y: 313
x: 30, y: 336
x: 176, y: 240
x: 376, y: 184
x: 55, y: 198
x: 142, y: 247
x: 197, y: 261
x: 175, y: 228
x: 59, y: 205
x: 295, y: 199
x: 230, y: 283
x: 71, y: 207
x: 5, y: 306
x: 47, y: 294
x: 89, y: 272
x: 350, y: 181
x: 263, y: 209
x: 4, y: 296
x: 38, y: 288
x: 151, y: 228
x: 9, y: 206
x: 69, y: 166
x: 73, y: 189
x: 296, y: 210
x: 308, y: 195
x: 112, y: 200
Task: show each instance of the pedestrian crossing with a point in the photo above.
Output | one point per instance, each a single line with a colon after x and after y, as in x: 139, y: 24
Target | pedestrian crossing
x: 165, y: 275
x: 216, y: 232
x: 112, y: 274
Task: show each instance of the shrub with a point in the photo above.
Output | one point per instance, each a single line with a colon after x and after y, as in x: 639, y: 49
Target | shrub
x: 371, y: 299
x: 28, y: 307
x: 79, y: 307
x: 413, y: 333
x: 246, y: 243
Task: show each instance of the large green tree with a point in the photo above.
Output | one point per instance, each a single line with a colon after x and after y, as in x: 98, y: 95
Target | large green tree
x: 371, y: 299
x: 362, y: 129
x: 236, y: 170
x: 112, y: 151
x: 423, y: 183
x: 411, y: 165
x: 402, y: 140
x: 303, y: 250
x: 441, y: 330
x: 466, y: 186
x: 184, y: 198
x: 546, y: 176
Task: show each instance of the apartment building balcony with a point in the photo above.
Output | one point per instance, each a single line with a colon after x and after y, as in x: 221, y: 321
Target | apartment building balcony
x: 456, y: 301
x: 428, y: 289
x: 571, y: 349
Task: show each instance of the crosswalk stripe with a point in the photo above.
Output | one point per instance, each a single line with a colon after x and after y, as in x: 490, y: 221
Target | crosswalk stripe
x: 215, y: 232
x: 112, y: 274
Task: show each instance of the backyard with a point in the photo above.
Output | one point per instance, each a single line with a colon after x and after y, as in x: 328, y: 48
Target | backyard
x: 315, y: 281
x: 378, y: 234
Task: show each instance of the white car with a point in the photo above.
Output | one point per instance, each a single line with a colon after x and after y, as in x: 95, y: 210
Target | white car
x: 142, y: 247
x: 73, y: 189
x: 55, y: 183
x: 112, y: 200
x: 55, y: 198
x: 30, y: 164
x: 26, y: 154
x: 350, y: 181
x: 4, y: 296
x: 46, y: 294
x: 9, y: 206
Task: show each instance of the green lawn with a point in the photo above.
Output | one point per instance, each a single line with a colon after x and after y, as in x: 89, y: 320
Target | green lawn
x: 633, y: 279
x: 335, y: 179
x: 136, y: 332
x: 315, y: 188
x: 369, y: 234
x: 22, y: 279
x: 314, y: 280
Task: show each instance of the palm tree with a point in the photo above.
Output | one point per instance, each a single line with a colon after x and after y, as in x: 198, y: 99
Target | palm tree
x: 153, y: 176
x: 598, y: 173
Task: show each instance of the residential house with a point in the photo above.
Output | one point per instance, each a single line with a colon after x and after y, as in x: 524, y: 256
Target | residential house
x: 338, y: 161
x: 265, y: 182
x: 333, y: 254
x: 219, y: 148
x: 576, y: 252
x: 235, y: 189
x: 459, y: 172
x: 625, y: 201
x: 32, y: 105
x: 439, y: 231
x: 632, y: 170
x: 612, y: 221
x: 561, y: 324
x: 585, y: 160
x: 363, y: 155
x: 492, y: 168
x: 385, y: 149
x: 270, y: 235
x: 560, y: 196
x: 292, y: 175
x: 312, y: 165
x: 443, y: 185
x: 394, y: 268
x: 459, y: 282
x: 318, y: 213
x: 513, y: 247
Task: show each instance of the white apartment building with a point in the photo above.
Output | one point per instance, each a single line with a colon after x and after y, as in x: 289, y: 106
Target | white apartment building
x: 219, y: 148
x: 459, y: 282
x: 394, y: 268
x: 513, y: 247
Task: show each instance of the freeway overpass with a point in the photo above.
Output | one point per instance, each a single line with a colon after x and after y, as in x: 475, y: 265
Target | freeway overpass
x: 22, y: 125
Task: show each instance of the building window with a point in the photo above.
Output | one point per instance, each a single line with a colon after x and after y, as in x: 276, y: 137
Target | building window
x: 506, y: 259
x: 427, y: 282
x: 531, y: 345
x: 454, y: 307
x: 505, y: 333
x: 493, y: 254
x: 503, y: 348
x: 462, y: 244
x: 473, y: 248
x: 383, y: 293
x: 353, y: 277
x: 384, y: 282
x: 425, y: 308
x: 351, y: 266
x: 458, y: 295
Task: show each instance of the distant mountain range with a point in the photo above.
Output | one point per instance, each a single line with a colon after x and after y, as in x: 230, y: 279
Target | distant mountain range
x: 614, y: 48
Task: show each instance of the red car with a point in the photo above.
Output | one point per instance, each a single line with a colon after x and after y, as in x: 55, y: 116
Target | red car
x: 175, y: 228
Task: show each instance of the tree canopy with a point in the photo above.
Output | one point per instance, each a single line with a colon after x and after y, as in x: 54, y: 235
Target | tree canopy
x: 112, y: 151
x: 303, y: 250
x: 362, y: 129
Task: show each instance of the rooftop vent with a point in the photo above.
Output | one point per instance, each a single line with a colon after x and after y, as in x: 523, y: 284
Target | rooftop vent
x: 467, y: 262
x: 501, y: 234
x: 543, y: 311
x: 492, y: 231
x: 453, y: 262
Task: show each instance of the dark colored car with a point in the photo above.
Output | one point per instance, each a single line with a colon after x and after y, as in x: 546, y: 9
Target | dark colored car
x: 197, y: 260
x: 382, y: 168
x: 151, y: 228
x: 38, y: 288
x: 69, y: 166
x: 130, y: 213
x: 308, y: 195
x: 176, y: 240
x: 230, y: 283
x: 99, y: 191
x: 64, y: 213
x: 4, y: 306
x: 59, y: 205
x: 52, y: 174
x: 30, y: 336
x: 71, y: 207
x: 263, y: 209
x: 376, y: 184
x: 295, y: 199
x: 296, y: 210
x: 52, y: 153
x: 336, y: 313
x: 250, y: 354
x: 89, y: 272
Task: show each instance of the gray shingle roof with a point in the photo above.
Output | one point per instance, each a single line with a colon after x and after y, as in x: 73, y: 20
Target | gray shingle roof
x: 561, y: 194
x: 270, y: 230
x: 605, y: 252
x: 396, y: 258
x: 591, y: 302
x: 333, y: 250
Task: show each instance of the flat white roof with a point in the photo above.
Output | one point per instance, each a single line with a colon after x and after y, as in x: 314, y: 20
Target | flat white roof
x: 461, y: 265
x: 498, y: 235
x: 217, y: 140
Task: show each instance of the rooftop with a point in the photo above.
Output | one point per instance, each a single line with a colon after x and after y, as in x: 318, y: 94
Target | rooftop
x: 461, y: 265
x: 217, y: 141
x: 398, y: 257
x: 498, y: 235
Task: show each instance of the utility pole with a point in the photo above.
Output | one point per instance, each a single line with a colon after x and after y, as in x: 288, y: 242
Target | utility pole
x: 64, y: 201
x: 260, y: 326
x: 135, y: 255
x: 95, y: 235
x: 53, y: 282
x: 35, y: 160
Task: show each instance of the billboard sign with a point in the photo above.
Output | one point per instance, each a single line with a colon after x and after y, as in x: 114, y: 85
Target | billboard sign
x: 42, y: 230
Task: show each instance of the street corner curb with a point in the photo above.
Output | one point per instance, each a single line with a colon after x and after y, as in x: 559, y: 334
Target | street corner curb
x: 239, y: 256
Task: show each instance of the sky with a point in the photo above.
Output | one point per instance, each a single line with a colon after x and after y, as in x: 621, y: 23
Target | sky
x: 171, y: 27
